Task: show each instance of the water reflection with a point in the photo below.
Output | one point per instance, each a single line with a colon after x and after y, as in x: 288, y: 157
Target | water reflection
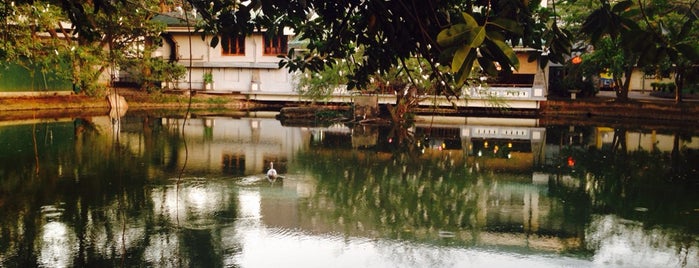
x: 458, y: 192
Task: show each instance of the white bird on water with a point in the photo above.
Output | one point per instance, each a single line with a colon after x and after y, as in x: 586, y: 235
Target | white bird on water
x: 271, y: 173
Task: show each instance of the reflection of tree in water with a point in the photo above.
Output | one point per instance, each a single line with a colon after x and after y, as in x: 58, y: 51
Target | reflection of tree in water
x: 653, y: 187
x: 73, y: 180
x: 684, y: 161
x: 396, y: 195
x: 101, y: 192
x: 427, y: 198
x: 199, y: 247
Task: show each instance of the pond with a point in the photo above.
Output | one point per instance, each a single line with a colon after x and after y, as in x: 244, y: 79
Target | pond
x: 162, y: 191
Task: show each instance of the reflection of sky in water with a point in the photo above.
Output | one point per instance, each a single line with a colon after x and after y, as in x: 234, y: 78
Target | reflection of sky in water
x: 624, y: 243
x: 284, y: 248
x: 266, y: 246
x: 233, y: 217
x: 57, y: 241
x: 162, y: 251
x: 249, y: 202
x: 194, y: 203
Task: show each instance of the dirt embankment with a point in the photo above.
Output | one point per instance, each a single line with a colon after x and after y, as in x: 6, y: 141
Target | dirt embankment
x: 54, y: 106
x: 631, y: 113
x: 580, y: 111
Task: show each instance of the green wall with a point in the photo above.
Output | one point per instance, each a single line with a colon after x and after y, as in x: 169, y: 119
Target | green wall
x: 14, y: 78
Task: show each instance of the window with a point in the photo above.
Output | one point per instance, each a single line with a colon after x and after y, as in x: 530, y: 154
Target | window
x: 233, y: 45
x: 275, y: 45
x: 233, y: 164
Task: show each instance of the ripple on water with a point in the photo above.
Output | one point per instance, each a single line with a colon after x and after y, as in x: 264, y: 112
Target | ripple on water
x: 52, y: 212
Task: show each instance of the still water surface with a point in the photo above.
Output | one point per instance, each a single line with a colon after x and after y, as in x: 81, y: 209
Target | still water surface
x: 447, y: 192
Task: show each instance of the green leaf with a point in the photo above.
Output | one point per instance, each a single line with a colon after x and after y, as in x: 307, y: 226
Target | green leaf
x: 447, y: 55
x: 469, y: 20
x: 507, y: 25
x: 508, y: 52
x: 460, y: 57
x: 453, y: 35
x: 686, y: 28
x: 494, y: 35
x: 533, y: 57
x: 464, y: 71
x: 543, y: 61
x: 691, y: 52
x: 622, y: 6
x: 214, y: 41
x: 488, y: 66
x: 476, y: 37
x: 595, y: 25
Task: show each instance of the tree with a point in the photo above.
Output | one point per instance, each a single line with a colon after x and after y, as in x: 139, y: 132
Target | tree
x: 647, y: 33
x: 116, y: 34
x: 408, y: 83
x: 455, y: 33
x: 674, y: 26
x: 24, y: 43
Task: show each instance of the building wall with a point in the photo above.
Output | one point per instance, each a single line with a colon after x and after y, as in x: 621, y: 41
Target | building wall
x: 646, y: 141
x: 526, y: 67
x: 253, y: 71
x: 639, y: 81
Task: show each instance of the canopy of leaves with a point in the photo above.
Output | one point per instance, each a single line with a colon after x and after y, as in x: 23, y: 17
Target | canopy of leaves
x: 645, y: 34
x: 459, y: 34
x: 653, y: 30
x: 454, y: 33
x: 104, y: 34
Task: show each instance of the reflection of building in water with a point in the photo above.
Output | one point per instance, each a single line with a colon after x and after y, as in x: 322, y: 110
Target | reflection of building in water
x: 607, y: 138
x: 230, y: 146
x: 511, y: 210
x: 562, y: 138
x: 477, y: 137
x: 490, y: 142
x: 245, y: 146
x: 604, y: 137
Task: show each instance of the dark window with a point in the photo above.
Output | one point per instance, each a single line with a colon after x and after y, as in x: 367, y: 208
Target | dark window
x: 275, y: 45
x: 233, y: 45
x: 233, y: 164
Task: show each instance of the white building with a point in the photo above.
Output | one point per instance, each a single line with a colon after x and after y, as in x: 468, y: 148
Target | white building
x: 235, y: 64
x: 249, y: 65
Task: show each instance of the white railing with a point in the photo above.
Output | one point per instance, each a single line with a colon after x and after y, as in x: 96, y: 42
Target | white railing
x: 506, y: 93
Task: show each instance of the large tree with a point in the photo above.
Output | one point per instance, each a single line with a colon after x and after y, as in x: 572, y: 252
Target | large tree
x: 453, y: 33
x: 637, y: 34
x: 24, y: 38
x: 104, y: 36
x: 452, y: 36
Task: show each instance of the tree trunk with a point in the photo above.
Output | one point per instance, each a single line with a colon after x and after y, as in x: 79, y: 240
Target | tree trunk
x: 622, y: 91
x: 679, y: 84
x: 147, y: 82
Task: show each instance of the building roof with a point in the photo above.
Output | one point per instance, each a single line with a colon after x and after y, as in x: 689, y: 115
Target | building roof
x: 177, y: 22
x: 174, y: 19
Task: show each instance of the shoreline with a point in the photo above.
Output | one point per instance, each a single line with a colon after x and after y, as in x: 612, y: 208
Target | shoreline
x: 638, y: 110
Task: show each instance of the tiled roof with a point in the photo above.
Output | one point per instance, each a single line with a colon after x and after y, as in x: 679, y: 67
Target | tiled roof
x: 174, y: 19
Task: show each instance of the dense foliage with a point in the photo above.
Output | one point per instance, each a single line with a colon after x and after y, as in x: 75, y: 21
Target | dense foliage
x: 92, y: 38
x: 442, y: 33
x: 645, y: 34
x: 457, y: 40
